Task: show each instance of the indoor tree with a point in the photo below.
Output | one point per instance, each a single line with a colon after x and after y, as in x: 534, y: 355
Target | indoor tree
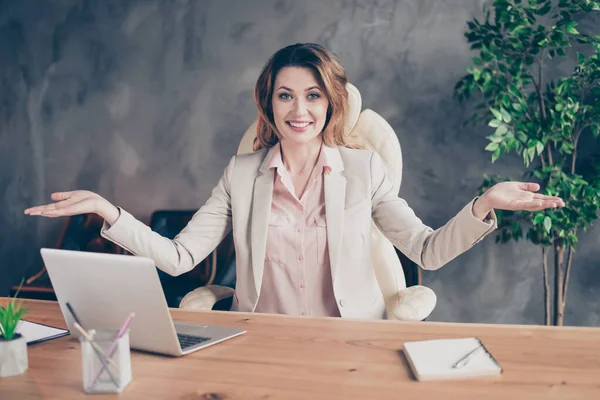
x: 541, y: 117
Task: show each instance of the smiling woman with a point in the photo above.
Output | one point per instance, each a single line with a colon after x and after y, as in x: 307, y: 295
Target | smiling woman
x: 310, y: 78
x: 302, y: 206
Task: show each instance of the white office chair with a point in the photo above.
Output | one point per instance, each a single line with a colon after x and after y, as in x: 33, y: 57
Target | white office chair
x: 371, y: 131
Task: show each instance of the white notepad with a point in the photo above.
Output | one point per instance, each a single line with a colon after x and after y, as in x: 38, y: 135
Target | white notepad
x: 34, y: 332
x: 433, y: 359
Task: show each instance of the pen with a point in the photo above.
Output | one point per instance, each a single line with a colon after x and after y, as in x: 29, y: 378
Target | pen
x: 94, y: 345
x: 113, y: 345
x: 464, y: 361
x: 73, y: 314
x: 98, y: 353
x: 102, y: 355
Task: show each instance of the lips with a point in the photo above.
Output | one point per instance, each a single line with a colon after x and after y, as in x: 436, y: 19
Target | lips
x: 298, y: 124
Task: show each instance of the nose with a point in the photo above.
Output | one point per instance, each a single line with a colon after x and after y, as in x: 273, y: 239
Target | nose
x: 300, y: 107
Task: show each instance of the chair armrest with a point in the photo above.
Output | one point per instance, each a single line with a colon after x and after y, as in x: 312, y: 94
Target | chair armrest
x: 413, y: 304
x: 205, y: 297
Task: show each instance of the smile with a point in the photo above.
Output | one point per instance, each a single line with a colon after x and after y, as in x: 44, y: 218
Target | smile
x: 298, y: 124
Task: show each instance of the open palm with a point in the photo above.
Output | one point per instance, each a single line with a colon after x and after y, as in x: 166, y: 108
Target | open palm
x: 520, y: 196
x: 67, y: 204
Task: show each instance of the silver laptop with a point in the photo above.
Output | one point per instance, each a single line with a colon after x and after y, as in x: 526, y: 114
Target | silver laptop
x: 104, y: 289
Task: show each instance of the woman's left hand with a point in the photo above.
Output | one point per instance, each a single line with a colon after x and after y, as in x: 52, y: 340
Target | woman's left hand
x: 514, y: 196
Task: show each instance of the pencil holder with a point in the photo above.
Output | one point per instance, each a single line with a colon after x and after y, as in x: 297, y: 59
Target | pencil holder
x: 106, y: 361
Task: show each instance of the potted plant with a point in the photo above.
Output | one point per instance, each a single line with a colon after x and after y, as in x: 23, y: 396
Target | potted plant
x: 542, y: 117
x: 13, y: 346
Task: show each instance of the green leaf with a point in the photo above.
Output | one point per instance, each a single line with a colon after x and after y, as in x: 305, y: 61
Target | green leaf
x: 496, y: 113
x: 514, y: 91
x: 570, y: 27
x: 505, y: 115
x: 475, y: 72
x: 531, y: 153
x: 477, y: 61
x: 539, y: 147
x: 495, y: 139
x: 547, y: 224
x: 501, y: 130
x: 494, y: 123
x: 538, y: 219
x: 491, y: 147
x: 517, y: 107
x: 496, y: 155
x: 558, y: 107
x: 543, y: 42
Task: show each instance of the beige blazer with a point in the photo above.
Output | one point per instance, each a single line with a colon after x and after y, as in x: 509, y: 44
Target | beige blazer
x: 356, y: 192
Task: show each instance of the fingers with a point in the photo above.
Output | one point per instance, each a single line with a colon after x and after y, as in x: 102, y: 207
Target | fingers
x: 538, y: 205
x: 51, y: 210
x: 529, y: 186
x: 35, y: 210
x: 554, y: 199
x: 39, y: 210
x: 55, y: 213
x: 57, y: 196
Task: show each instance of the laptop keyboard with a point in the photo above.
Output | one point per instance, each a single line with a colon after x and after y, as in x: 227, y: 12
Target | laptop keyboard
x: 186, y: 341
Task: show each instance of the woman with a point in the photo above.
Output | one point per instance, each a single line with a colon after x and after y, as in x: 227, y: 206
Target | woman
x: 301, y: 205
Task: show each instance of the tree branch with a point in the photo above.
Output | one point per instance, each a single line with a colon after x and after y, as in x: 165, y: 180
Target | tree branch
x: 575, y: 143
x: 546, y: 285
x: 567, y: 273
x: 574, y: 156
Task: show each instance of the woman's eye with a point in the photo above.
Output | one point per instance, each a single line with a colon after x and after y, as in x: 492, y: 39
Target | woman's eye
x: 313, y: 96
x: 285, y: 96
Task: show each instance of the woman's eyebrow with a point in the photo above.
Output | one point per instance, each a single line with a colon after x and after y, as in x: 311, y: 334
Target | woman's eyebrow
x: 291, y: 90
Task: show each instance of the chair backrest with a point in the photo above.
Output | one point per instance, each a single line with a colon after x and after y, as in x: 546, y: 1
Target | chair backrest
x: 371, y: 131
x: 169, y: 223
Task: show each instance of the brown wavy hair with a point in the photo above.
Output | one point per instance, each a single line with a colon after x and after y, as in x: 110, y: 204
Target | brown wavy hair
x: 330, y: 76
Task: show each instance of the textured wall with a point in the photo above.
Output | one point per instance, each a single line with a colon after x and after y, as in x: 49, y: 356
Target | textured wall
x: 145, y: 101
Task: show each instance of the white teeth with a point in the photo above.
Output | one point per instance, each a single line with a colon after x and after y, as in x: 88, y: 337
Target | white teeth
x: 299, y: 125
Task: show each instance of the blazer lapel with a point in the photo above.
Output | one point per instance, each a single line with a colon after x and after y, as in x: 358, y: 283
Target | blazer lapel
x: 261, y: 211
x: 335, y: 198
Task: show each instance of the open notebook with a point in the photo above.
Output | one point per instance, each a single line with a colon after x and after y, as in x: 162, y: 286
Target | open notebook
x: 35, y: 333
x: 434, y: 359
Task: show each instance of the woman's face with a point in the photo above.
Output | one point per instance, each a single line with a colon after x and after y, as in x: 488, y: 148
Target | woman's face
x: 299, y: 106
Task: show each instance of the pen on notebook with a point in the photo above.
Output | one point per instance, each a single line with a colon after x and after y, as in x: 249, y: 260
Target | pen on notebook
x: 465, y: 360
x: 113, y: 345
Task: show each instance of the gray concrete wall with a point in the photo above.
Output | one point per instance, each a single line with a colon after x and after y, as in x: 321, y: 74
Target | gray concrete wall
x: 145, y: 102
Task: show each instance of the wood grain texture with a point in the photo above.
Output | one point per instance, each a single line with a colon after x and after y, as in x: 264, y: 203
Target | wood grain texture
x: 308, y: 358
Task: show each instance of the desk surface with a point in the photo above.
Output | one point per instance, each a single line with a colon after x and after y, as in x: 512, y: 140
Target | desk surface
x: 308, y: 358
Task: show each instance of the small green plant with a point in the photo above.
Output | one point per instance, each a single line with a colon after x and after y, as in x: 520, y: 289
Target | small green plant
x: 10, y: 317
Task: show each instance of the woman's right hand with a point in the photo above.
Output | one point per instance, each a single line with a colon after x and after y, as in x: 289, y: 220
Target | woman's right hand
x: 74, y: 203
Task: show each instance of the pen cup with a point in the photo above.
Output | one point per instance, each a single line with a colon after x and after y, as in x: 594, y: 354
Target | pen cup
x: 112, y: 375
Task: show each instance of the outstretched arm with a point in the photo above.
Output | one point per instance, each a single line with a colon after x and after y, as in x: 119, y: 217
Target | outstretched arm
x: 431, y: 249
x: 194, y: 243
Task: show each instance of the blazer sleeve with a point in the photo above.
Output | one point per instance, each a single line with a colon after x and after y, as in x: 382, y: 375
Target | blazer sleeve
x: 431, y: 249
x: 194, y: 243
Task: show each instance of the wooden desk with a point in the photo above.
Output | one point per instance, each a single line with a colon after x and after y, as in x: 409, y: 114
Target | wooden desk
x: 305, y: 358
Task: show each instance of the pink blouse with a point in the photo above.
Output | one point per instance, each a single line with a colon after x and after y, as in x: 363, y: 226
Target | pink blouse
x: 297, y: 274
